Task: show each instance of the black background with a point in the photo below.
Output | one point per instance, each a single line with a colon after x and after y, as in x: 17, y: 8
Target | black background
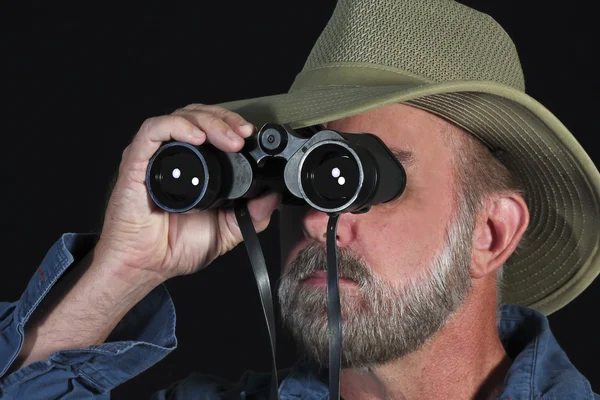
x: 78, y: 80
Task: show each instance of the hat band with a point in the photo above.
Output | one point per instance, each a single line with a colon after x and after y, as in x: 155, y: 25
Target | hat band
x: 354, y: 75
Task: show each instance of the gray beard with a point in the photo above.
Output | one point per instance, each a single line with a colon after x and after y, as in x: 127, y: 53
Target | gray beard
x: 380, y: 322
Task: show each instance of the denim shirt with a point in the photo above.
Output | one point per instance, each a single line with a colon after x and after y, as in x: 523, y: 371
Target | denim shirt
x: 540, y: 370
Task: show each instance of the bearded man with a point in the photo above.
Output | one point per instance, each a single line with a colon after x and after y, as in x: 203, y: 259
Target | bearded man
x: 444, y: 290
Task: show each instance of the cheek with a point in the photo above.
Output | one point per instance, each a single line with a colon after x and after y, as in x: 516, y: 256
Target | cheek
x: 398, y: 241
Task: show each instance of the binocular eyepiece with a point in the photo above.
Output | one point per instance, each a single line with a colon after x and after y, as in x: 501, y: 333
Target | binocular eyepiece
x: 331, y: 171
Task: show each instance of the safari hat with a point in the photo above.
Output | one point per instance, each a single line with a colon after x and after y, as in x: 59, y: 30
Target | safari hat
x: 460, y: 64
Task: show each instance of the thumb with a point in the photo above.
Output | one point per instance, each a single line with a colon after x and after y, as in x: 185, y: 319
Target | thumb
x: 260, y: 209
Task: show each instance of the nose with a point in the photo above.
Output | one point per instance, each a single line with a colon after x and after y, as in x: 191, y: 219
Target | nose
x: 315, y: 227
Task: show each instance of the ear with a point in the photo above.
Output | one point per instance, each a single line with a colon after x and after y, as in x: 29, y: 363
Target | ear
x: 498, y: 230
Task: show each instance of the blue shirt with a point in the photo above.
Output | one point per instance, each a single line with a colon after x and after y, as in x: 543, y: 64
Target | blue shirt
x: 540, y: 369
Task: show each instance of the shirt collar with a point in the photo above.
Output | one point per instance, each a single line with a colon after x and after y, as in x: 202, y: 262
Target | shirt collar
x: 540, y: 367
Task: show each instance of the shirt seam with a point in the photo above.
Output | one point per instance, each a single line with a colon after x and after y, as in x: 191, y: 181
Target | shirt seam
x: 533, y: 366
x: 63, y: 264
x: 97, y: 384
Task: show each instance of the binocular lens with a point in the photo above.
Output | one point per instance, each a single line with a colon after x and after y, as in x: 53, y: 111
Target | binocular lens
x: 177, y: 177
x: 336, y: 178
x: 330, y: 176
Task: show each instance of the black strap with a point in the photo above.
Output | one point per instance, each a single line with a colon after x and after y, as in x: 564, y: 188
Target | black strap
x: 262, y: 279
x: 333, y: 310
x: 333, y: 296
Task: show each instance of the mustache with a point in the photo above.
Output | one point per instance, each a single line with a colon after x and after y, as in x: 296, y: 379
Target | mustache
x: 313, y: 258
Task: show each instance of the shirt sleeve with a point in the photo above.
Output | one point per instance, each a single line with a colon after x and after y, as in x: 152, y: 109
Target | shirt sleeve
x: 144, y: 336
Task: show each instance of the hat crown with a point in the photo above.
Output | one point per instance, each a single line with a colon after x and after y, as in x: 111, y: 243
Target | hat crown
x: 429, y: 40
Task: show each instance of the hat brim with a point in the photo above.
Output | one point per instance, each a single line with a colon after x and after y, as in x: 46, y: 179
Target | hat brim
x: 558, y: 256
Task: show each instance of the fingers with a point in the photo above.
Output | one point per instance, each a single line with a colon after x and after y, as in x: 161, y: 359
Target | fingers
x: 235, y: 121
x: 156, y: 130
x: 192, y: 124
x: 224, y: 129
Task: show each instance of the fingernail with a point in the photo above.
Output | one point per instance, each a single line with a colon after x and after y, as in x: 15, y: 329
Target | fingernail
x: 246, y: 130
x: 198, y: 132
x: 234, y: 136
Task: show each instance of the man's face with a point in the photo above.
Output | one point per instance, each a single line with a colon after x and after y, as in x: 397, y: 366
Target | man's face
x: 406, y: 262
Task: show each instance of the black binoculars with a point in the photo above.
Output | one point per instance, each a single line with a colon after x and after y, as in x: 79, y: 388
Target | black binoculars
x: 331, y: 171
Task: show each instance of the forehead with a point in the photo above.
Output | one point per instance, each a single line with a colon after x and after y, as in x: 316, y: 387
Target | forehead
x: 400, y: 126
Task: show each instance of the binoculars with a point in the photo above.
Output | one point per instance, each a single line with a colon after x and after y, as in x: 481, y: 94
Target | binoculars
x: 331, y: 171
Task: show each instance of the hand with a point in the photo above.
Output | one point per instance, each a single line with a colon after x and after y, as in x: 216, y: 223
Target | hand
x: 146, y: 242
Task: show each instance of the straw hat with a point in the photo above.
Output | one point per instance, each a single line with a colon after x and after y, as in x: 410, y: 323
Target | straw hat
x: 458, y: 63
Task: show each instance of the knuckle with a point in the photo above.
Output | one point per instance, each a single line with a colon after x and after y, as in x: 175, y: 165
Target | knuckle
x: 147, y: 124
x: 228, y: 232
x: 173, y: 119
x: 170, y: 121
x: 126, y: 151
x: 163, y: 121
x: 231, y: 115
x: 193, y: 106
x: 218, y: 110
x: 217, y: 123
x: 188, y: 108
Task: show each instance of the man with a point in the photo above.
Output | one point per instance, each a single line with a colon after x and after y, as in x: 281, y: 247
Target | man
x: 501, y: 203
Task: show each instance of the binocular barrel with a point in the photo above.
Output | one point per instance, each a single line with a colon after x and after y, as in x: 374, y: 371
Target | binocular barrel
x: 331, y: 171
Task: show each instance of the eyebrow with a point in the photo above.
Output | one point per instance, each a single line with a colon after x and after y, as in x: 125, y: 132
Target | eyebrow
x: 405, y: 157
